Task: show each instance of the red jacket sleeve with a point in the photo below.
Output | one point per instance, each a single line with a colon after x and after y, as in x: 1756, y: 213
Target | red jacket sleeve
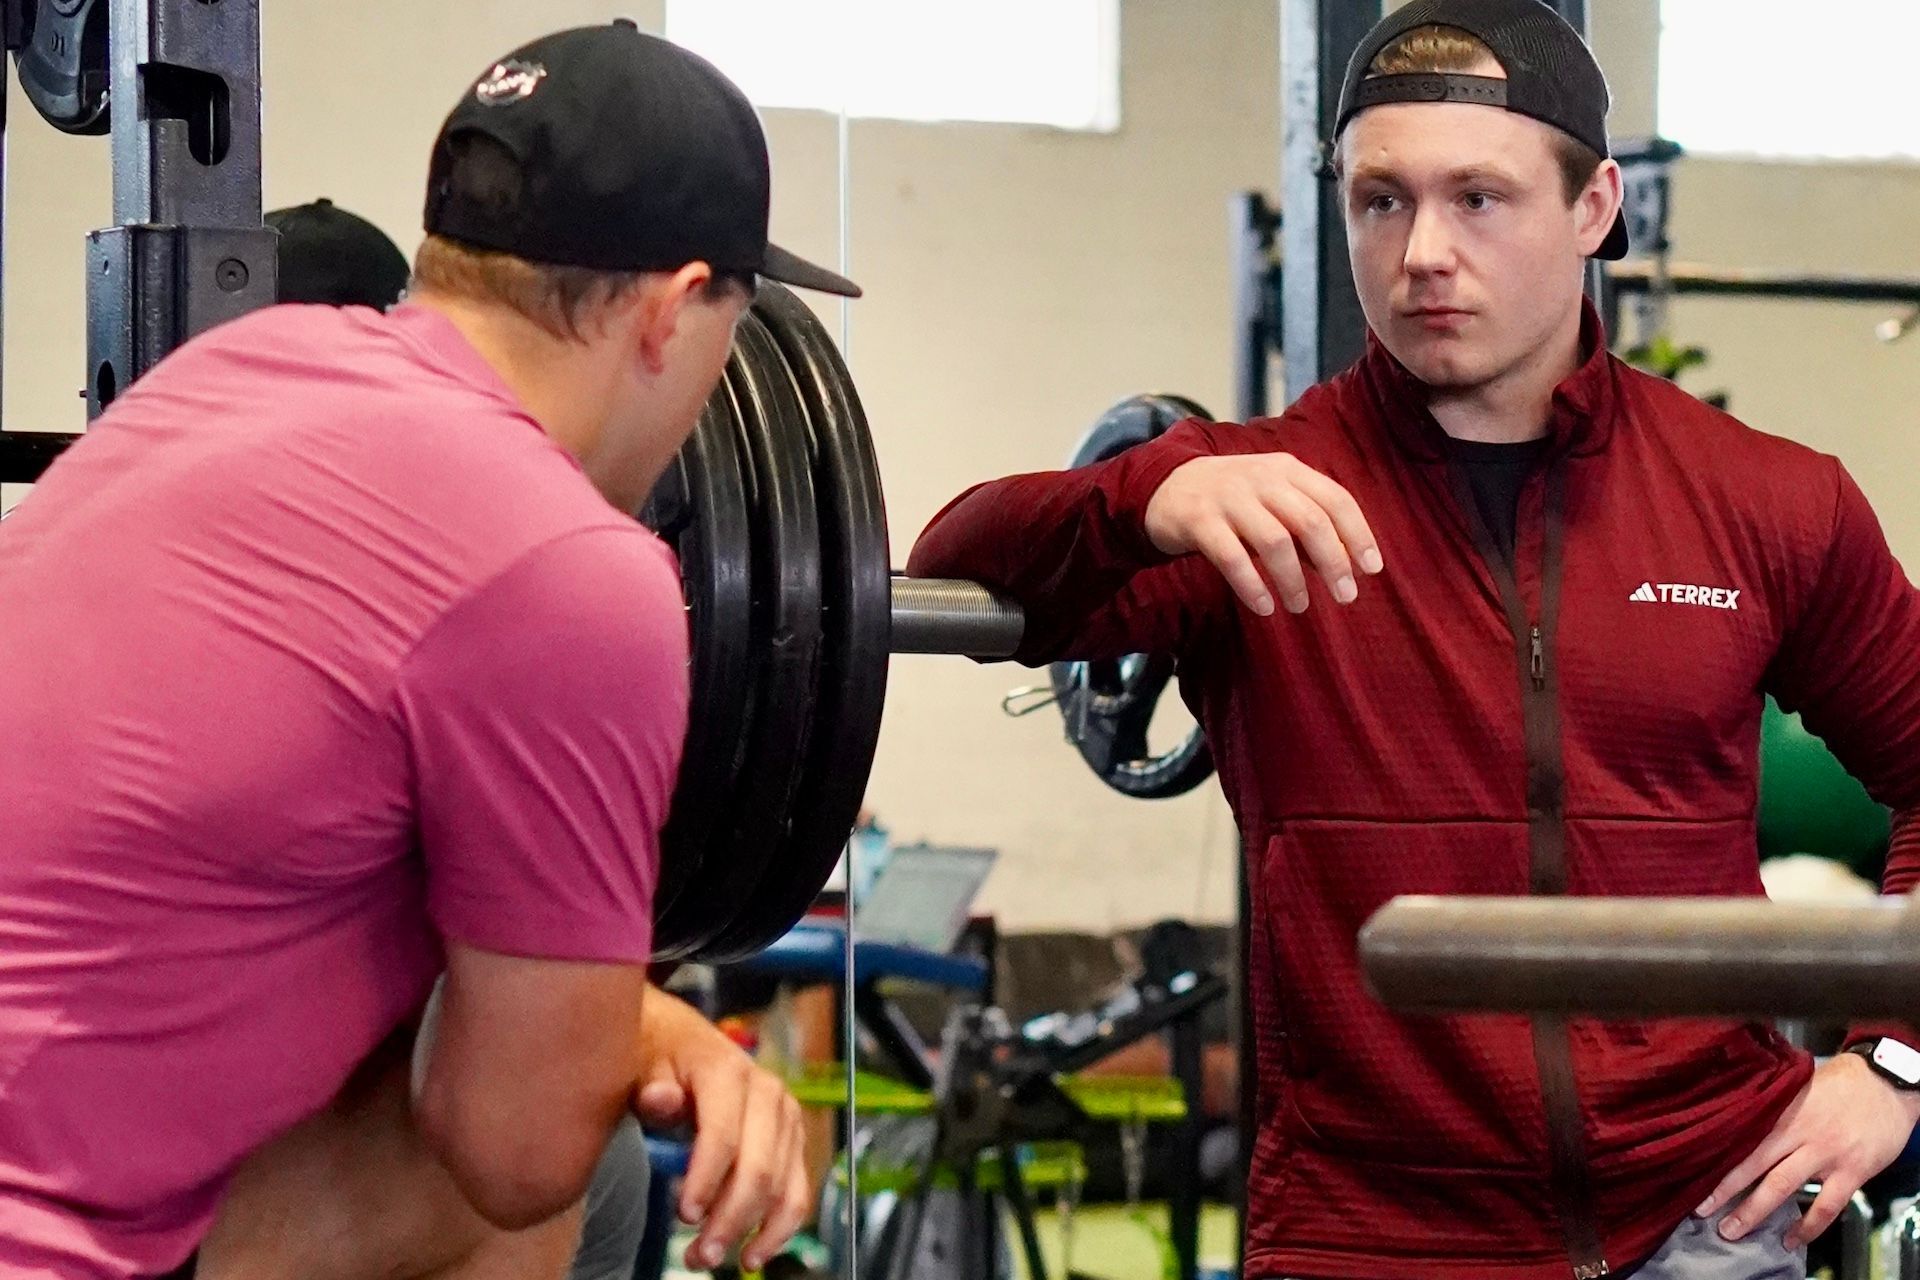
x: 1070, y: 547
x: 1850, y: 666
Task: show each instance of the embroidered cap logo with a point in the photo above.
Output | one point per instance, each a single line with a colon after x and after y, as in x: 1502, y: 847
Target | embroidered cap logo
x: 509, y: 82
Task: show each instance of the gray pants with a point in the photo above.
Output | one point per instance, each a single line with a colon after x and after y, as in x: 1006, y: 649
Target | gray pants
x: 616, y: 1214
x: 1696, y: 1251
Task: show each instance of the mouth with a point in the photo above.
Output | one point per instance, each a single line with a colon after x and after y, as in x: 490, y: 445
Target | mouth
x: 1439, y: 319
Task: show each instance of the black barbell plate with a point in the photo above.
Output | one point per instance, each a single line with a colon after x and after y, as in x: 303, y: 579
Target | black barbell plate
x: 64, y: 64
x: 700, y: 509
x: 786, y: 588
x: 1109, y: 705
x: 857, y: 618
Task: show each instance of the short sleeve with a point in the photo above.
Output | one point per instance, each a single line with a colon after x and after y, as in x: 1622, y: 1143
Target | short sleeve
x: 546, y: 712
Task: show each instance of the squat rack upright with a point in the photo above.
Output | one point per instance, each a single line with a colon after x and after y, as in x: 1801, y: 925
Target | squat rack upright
x: 187, y: 250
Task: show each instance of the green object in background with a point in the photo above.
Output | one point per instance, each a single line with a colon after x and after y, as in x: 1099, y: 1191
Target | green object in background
x: 1150, y: 1099
x: 1044, y: 1166
x: 1809, y: 803
x: 824, y: 1085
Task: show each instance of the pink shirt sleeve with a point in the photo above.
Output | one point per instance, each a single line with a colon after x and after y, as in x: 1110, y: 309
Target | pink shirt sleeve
x: 546, y: 712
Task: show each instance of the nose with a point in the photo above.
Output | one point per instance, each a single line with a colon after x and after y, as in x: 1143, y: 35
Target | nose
x: 1430, y: 248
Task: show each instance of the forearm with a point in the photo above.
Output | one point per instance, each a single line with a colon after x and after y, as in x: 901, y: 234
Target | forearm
x: 522, y: 1069
x: 1062, y: 545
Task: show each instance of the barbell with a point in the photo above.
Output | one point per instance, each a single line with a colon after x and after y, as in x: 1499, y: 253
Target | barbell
x: 1640, y: 957
x: 774, y: 507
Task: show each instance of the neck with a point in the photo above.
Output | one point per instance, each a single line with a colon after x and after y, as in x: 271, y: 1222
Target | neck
x: 564, y: 385
x: 1514, y: 406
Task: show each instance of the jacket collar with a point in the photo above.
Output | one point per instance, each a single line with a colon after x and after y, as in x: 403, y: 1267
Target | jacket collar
x: 1581, y: 419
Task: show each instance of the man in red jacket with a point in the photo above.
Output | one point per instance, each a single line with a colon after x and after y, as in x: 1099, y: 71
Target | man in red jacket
x: 1579, y: 584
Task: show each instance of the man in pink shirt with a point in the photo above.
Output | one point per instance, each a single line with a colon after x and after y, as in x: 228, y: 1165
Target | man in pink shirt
x: 332, y: 663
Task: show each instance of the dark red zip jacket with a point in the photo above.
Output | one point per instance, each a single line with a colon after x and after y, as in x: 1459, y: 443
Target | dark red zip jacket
x: 1585, y: 722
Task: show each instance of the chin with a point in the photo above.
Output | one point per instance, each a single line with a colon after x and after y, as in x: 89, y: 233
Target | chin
x: 1442, y: 364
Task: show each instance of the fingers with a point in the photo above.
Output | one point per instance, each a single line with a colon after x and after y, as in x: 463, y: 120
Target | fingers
x: 1256, y: 519
x: 1349, y: 524
x: 1262, y: 533
x: 1226, y: 552
x: 1833, y: 1197
x: 1312, y: 528
x: 760, y: 1172
x: 1749, y: 1171
x: 719, y: 1111
x: 790, y: 1211
x: 1779, y: 1186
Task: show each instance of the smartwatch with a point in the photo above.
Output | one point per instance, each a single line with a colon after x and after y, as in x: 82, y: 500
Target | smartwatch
x: 1896, y: 1063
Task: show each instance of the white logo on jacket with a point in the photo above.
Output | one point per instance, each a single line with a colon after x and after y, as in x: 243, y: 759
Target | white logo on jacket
x: 1686, y: 593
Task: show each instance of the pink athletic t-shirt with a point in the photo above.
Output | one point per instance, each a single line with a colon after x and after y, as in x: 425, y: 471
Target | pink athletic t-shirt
x: 314, y: 653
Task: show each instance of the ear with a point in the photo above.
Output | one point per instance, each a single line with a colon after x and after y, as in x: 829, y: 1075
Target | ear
x: 657, y: 307
x: 1598, y: 205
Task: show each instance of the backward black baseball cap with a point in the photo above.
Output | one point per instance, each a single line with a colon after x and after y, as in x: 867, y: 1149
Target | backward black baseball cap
x: 1551, y: 74
x: 633, y: 153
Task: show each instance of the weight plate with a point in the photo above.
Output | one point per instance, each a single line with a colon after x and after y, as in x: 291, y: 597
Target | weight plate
x: 700, y: 509
x: 1109, y: 705
x: 63, y: 65
x: 856, y: 616
x: 784, y: 516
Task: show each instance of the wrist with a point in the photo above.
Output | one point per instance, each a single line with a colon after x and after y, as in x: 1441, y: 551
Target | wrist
x: 1895, y: 1064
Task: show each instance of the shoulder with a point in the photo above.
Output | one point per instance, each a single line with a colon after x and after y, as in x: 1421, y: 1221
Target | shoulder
x: 583, y: 622
x: 1711, y: 453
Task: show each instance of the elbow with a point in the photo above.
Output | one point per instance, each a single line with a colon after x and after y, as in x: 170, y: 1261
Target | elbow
x: 514, y: 1175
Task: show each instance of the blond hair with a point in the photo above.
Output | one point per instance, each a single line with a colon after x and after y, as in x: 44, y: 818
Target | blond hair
x: 561, y: 300
x: 1440, y: 50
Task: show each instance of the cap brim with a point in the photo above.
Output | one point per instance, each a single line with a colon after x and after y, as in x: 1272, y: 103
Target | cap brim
x: 791, y: 269
x: 1614, y: 247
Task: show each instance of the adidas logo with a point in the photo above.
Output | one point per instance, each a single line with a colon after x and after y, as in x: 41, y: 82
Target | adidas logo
x: 1686, y: 593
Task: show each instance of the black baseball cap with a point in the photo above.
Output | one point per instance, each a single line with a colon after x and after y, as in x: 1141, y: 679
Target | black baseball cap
x: 633, y: 155
x: 1551, y: 74
x: 330, y: 256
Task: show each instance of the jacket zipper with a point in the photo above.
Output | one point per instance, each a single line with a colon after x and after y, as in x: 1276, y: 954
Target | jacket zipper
x: 1569, y: 1171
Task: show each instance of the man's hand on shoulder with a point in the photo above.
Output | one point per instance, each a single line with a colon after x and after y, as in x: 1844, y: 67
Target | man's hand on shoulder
x: 1253, y: 516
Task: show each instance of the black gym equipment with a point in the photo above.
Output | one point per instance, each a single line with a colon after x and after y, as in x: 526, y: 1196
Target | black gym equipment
x: 793, y: 613
x: 60, y: 52
x: 749, y: 839
x: 699, y: 508
x: 855, y: 620
x: 998, y: 1087
x: 1109, y: 705
x: 178, y: 84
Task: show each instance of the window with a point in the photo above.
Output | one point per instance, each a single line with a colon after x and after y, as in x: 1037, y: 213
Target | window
x: 1788, y: 79
x: 1012, y: 61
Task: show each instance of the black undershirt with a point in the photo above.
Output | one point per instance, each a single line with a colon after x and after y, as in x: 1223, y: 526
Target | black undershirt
x: 1496, y: 473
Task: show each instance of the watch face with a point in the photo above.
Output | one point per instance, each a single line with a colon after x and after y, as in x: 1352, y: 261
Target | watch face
x: 1898, y: 1060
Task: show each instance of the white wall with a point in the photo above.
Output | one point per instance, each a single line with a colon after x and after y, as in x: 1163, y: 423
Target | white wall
x: 1020, y: 280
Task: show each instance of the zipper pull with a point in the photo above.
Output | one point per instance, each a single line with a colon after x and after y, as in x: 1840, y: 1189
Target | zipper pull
x: 1539, y: 663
